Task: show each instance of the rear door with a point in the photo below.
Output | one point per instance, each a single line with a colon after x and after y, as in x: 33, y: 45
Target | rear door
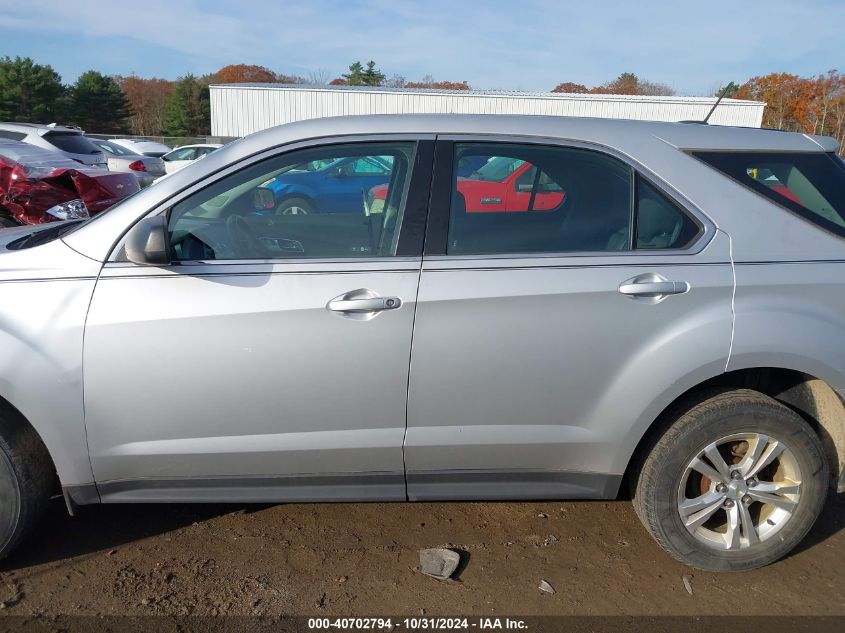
x: 548, y: 335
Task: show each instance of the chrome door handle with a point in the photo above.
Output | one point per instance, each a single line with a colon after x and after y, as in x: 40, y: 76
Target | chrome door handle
x: 368, y: 304
x: 653, y: 288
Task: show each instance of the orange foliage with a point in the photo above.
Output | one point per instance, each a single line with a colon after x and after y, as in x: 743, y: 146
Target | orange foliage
x: 814, y: 105
x: 147, y: 99
x: 244, y: 73
x: 570, y: 88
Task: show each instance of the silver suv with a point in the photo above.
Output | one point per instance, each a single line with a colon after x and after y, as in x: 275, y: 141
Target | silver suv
x: 66, y: 140
x: 472, y: 307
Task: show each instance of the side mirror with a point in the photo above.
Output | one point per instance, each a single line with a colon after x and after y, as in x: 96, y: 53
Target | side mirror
x: 147, y: 243
x: 263, y: 198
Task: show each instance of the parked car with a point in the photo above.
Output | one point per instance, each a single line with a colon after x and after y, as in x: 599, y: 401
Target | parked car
x: 500, y: 184
x: 70, y: 142
x: 335, y: 185
x: 674, y: 325
x: 39, y: 185
x: 144, y: 148
x: 182, y: 156
x: 145, y: 168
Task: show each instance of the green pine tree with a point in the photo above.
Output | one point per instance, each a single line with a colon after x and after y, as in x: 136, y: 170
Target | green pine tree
x: 372, y: 76
x: 188, y: 110
x: 355, y: 76
x: 29, y: 91
x: 97, y: 104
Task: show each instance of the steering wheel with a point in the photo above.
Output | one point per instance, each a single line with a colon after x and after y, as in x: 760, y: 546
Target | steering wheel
x: 244, y: 241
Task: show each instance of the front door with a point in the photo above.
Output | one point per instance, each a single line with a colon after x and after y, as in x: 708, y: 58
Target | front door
x: 270, y: 360
x: 546, y: 339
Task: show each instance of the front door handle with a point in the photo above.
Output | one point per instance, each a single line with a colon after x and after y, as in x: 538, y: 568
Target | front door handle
x: 363, y: 305
x: 652, y: 286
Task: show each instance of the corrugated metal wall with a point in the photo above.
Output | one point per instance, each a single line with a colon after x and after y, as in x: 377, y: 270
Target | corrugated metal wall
x: 237, y: 110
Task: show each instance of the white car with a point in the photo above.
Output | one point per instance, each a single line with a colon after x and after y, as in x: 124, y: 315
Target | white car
x: 68, y: 141
x: 144, y: 148
x: 182, y: 156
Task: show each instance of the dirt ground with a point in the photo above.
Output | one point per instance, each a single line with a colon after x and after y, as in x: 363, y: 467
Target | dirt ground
x: 361, y: 559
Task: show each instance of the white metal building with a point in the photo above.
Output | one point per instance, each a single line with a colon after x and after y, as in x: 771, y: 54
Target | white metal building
x: 240, y: 109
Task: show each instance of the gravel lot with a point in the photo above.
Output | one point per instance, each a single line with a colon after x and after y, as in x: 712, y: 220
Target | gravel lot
x: 361, y: 559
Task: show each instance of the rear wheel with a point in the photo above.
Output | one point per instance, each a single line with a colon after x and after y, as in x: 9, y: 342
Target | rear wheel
x: 26, y: 480
x: 734, y: 484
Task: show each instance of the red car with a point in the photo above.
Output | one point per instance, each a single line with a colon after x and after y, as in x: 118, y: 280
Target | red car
x: 37, y: 186
x: 502, y: 184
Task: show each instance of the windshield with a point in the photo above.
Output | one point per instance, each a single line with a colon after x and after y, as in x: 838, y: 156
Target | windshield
x: 114, y: 148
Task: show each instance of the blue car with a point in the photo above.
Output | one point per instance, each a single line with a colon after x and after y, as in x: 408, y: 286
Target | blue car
x: 334, y: 186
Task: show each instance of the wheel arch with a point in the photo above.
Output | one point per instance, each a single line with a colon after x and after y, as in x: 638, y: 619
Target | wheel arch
x: 296, y: 193
x: 813, y: 398
x: 13, y: 418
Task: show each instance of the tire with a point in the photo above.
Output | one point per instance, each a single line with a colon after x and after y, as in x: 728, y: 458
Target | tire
x: 26, y: 480
x: 736, y: 423
x: 296, y: 206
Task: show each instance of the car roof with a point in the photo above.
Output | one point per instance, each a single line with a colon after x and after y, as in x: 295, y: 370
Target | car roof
x: 611, y: 132
x: 214, y: 145
x: 29, y: 127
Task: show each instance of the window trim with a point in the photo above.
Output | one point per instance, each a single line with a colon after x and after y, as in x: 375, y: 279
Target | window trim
x: 413, y: 226
x: 440, y: 205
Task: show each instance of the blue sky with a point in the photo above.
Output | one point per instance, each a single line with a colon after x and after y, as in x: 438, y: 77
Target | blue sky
x: 508, y: 44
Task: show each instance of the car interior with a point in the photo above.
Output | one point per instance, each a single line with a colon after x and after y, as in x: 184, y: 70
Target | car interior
x: 228, y: 220
x: 595, y: 214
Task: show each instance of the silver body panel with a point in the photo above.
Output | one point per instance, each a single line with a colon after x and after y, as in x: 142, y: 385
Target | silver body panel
x: 228, y: 363
x: 498, y: 377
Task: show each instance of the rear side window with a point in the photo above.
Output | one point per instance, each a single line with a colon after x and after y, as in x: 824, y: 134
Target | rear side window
x: 808, y: 184
x: 538, y: 199
x: 513, y: 198
x: 71, y: 142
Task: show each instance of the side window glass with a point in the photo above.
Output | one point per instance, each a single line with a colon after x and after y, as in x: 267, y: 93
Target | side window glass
x: 538, y: 199
x: 809, y: 184
x: 660, y: 223
x: 287, y: 207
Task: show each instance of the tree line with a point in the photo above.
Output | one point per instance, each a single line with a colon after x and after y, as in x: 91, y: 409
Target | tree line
x: 154, y: 106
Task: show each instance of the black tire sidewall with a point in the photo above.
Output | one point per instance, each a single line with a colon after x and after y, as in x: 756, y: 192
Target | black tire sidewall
x: 697, y: 429
x: 10, y: 499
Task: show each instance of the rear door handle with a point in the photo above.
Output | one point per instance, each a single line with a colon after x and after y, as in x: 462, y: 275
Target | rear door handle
x: 367, y: 304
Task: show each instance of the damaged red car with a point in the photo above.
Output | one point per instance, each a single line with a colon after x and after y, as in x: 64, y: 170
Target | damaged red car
x: 38, y: 186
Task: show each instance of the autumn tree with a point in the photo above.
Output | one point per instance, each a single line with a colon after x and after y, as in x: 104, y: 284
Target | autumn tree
x: 29, y: 91
x: 98, y: 104
x: 429, y: 82
x: 813, y: 105
x: 188, y: 112
x: 147, y: 100
x: 571, y: 88
x: 244, y: 73
x: 779, y: 91
x: 624, y: 84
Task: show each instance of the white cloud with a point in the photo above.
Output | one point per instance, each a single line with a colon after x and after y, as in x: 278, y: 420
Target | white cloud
x: 496, y: 43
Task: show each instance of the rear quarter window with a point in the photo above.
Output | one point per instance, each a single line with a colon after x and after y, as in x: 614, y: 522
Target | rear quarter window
x: 811, y: 185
